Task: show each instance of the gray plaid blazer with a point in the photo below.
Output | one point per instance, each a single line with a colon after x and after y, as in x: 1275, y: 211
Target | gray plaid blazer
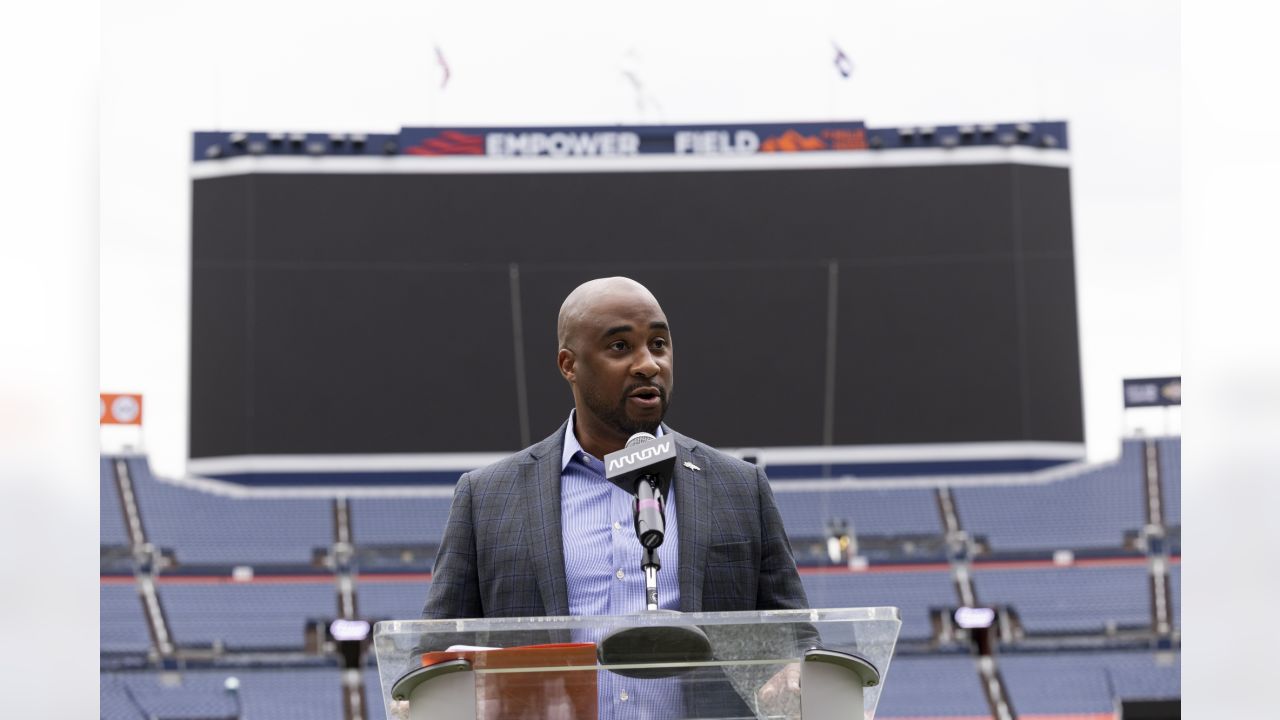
x: 502, y: 554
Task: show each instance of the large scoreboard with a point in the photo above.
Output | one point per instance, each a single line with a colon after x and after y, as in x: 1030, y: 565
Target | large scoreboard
x: 360, y: 297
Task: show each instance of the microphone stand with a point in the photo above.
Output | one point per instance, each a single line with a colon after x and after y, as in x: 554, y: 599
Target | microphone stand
x: 651, y: 566
x: 652, y: 644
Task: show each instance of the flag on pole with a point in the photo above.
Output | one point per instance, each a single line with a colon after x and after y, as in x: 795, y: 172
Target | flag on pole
x: 843, y: 64
x: 444, y: 67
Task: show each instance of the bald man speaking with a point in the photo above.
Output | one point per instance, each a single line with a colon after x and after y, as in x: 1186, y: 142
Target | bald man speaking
x: 543, y: 532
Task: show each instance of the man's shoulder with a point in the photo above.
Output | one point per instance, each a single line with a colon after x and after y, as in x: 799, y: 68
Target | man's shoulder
x: 516, y: 463
x: 717, y: 460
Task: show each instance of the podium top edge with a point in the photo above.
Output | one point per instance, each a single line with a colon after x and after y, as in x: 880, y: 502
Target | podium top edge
x: 815, y: 615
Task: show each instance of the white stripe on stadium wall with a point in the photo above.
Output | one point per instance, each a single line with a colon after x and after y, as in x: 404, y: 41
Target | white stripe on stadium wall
x: 479, y: 164
x: 1044, y: 476
x: 202, y: 472
x: 815, y: 455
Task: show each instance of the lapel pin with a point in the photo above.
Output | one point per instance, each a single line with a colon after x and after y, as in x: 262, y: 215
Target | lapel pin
x: 691, y: 466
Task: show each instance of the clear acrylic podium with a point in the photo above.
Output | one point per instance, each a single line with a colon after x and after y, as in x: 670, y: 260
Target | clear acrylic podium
x: 822, y: 664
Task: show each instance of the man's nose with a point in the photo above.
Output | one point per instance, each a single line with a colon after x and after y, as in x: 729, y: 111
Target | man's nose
x: 646, y: 364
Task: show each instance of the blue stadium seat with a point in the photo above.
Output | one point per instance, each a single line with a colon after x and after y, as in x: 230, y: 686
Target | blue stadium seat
x: 1054, y: 684
x: 113, y: 532
x: 1072, y: 599
x: 300, y: 694
x: 931, y: 687
x: 913, y: 592
x: 1091, y: 510
x: 391, y: 598
x: 398, y: 521
x: 1170, y: 454
x: 122, y: 625
x: 1087, y: 682
x: 246, y: 616
x: 1140, y: 675
x: 909, y: 511
x: 210, y: 529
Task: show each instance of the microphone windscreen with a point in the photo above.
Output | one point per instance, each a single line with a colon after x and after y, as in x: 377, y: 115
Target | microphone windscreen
x: 640, y: 438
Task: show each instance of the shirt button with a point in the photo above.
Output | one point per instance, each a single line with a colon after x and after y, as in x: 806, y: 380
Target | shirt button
x: 620, y: 575
x: 617, y: 525
x: 623, y: 696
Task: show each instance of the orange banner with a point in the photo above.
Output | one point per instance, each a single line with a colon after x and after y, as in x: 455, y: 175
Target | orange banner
x: 120, y: 409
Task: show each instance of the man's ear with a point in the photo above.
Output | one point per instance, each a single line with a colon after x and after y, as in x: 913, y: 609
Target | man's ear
x: 565, y: 360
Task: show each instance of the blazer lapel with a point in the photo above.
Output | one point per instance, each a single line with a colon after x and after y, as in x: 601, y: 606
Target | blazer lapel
x: 540, y: 475
x: 693, y: 503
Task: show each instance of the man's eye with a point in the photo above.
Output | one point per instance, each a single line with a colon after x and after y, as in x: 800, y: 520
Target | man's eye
x: 660, y: 342
x: 617, y: 345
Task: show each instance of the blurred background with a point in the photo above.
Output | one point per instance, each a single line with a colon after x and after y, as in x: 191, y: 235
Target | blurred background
x: 1111, y: 73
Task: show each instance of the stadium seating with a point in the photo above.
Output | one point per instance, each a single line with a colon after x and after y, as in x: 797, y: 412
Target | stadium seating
x: 122, y: 625
x: 203, y: 528
x: 245, y: 616
x: 912, y: 592
x: 113, y: 532
x: 870, y: 512
x: 266, y: 616
x: 1137, y: 675
x: 392, y: 597
x: 1091, y: 510
x: 298, y: 694
x: 1078, y: 682
x: 1170, y: 454
x: 398, y: 521
x: 1069, y: 600
x: 939, y: 686
x: 1054, y: 684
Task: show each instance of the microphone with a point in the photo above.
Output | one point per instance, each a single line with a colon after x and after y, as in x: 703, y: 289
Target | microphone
x: 644, y: 468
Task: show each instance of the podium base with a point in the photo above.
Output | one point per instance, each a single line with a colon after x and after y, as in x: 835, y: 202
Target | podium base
x: 650, y: 644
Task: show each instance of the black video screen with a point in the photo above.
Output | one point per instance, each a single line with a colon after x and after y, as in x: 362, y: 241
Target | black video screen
x: 347, y: 313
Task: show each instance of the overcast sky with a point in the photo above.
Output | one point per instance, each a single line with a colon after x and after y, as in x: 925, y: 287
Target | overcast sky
x: 1108, y: 68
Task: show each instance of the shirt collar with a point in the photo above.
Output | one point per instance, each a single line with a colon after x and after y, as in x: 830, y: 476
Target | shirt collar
x: 572, y: 447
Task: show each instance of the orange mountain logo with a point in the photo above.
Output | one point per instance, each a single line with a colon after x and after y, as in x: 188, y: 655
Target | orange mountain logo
x: 792, y: 141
